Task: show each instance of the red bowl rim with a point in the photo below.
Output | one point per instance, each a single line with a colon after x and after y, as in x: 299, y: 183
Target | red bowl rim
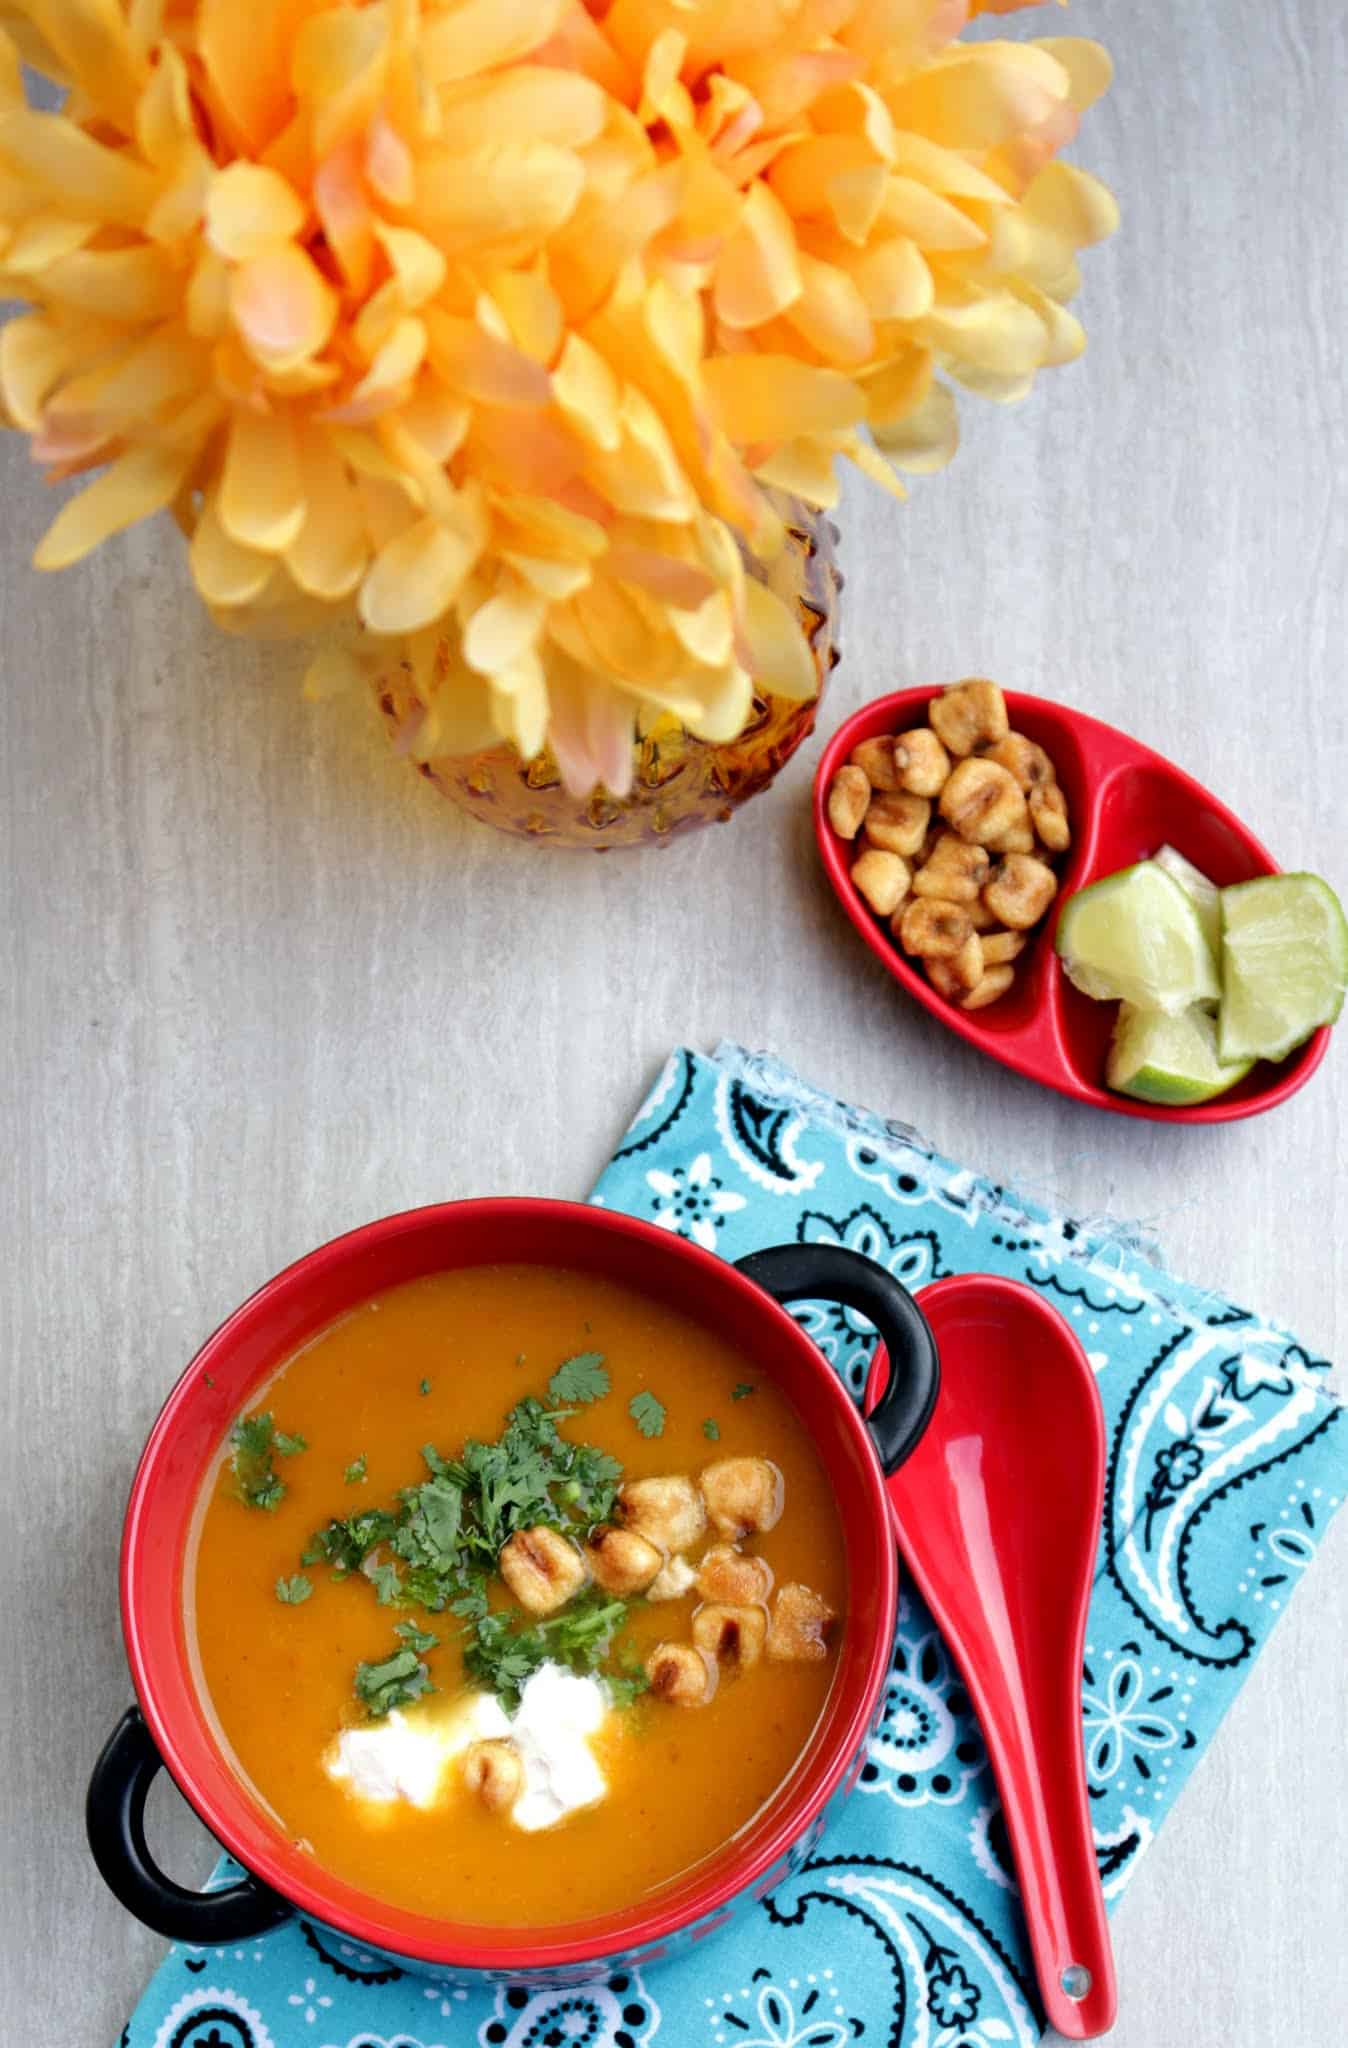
x: 900, y: 703
x: 726, y: 1875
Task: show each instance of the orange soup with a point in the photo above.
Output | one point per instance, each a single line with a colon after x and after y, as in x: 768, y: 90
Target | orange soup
x: 516, y: 1595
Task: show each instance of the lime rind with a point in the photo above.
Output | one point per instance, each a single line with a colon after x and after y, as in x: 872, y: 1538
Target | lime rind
x: 1284, y: 964
x: 1171, y: 1061
x: 1136, y: 937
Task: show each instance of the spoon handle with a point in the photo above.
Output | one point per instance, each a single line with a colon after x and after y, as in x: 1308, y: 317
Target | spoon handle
x: 1040, y: 1769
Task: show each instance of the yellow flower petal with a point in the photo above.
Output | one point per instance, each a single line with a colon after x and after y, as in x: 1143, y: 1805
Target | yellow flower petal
x: 416, y: 577
x: 982, y: 96
x: 339, y: 68
x: 44, y: 238
x: 1073, y: 204
x: 72, y: 171
x: 343, y: 207
x: 283, y: 309
x: 511, y: 193
x: 329, y: 555
x: 932, y: 222
x: 925, y: 438
x: 552, y: 579
x: 998, y: 333
x: 480, y: 366
x: 775, y: 398
x: 478, y: 35
x: 855, y: 198
x: 163, y: 123
x: 588, y: 393
x: 781, y: 662
x: 130, y: 489
x: 757, y: 274
x: 131, y: 285
x: 832, y: 316
x: 1089, y: 67
x: 945, y: 170
x: 504, y: 629
x: 418, y: 266
x: 250, y: 209
x: 388, y: 163
x: 90, y: 42
x: 894, y: 279
x: 642, y: 475
x: 135, y: 385
x: 224, y: 572
x: 559, y: 107
x: 805, y: 469
x: 261, y: 499
x: 532, y: 312
x: 36, y: 352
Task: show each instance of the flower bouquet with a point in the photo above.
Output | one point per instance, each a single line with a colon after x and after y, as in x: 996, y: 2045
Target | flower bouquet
x: 496, y: 348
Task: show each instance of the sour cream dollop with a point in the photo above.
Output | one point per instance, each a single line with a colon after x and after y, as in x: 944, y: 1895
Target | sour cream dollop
x: 407, y: 1760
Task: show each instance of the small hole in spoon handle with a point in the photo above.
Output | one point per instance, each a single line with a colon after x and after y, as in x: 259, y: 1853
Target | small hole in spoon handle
x: 1076, y: 1981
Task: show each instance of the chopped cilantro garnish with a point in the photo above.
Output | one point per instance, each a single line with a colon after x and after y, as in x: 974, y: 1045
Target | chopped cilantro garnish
x: 355, y: 1471
x: 647, y: 1413
x: 436, y: 1548
x: 253, y: 1440
x: 207, y: 1380
x: 416, y: 1638
x: 396, y: 1682
x: 745, y: 1387
x: 292, y: 1591
x: 711, y: 1429
x: 580, y: 1379
x: 425, y: 1387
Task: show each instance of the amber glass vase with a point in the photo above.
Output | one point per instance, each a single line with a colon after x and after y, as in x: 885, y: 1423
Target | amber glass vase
x: 678, y: 781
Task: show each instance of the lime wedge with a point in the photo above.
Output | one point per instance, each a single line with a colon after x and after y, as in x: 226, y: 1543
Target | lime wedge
x: 1172, y: 1060
x: 1205, y: 895
x: 1285, y: 964
x: 1137, y: 937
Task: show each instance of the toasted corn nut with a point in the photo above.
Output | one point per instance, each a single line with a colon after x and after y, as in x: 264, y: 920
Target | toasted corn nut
x: 621, y: 1561
x: 681, y: 1675
x: 941, y: 975
x: 726, y: 1575
x: 1024, y: 759
x: 732, y: 1635
x: 743, y: 1495
x: 493, y: 1772
x: 981, y: 801
x: 800, y: 1626
x: 672, y: 1581
x: 922, y: 762
x: 967, y: 965
x: 1020, y: 890
x: 542, y: 1569
x: 882, y: 878
x: 968, y: 715
x: 1048, y: 811
x: 849, y: 793
x: 898, y: 823
x: 994, y: 985
x: 980, y: 916
x: 954, y: 870
x: 875, y: 759
x: 1000, y: 947
x: 668, y: 1512
x: 1019, y: 839
x: 934, y: 930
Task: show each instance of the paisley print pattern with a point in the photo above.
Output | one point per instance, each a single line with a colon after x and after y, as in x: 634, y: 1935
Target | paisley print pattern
x: 898, y: 1925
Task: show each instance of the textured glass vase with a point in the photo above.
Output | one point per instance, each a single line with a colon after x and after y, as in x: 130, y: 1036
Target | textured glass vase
x: 678, y: 781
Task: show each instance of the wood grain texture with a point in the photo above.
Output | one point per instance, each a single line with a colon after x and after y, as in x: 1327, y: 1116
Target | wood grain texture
x: 257, y: 983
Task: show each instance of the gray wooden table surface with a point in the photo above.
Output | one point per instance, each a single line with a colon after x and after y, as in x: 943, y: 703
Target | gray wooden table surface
x: 257, y: 983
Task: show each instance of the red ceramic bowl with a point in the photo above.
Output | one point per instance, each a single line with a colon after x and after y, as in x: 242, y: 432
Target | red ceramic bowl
x: 174, y: 1725
x: 1125, y: 802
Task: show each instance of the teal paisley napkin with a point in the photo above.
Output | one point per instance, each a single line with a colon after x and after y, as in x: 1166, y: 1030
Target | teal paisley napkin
x: 1227, y: 1457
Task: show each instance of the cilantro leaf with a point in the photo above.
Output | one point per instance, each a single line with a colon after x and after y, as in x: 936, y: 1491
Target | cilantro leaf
x: 745, y: 1387
x: 711, y: 1429
x: 396, y: 1682
x: 292, y: 1591
x: 387, y: 1585
x: 647, y: 1413
x: 505, y: 1656
x: 580, y: 1379
x: 253, y: 1441
x: 430, y: 1535
x: 425, y: 1387
x: 414, y: 1637
x: 355, y: 1471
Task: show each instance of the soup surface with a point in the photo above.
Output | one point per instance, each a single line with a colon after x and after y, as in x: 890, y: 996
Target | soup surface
x: 310, y: 1652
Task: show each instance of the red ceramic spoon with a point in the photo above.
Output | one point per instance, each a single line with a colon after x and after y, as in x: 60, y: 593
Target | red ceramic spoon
x: 998, y: 1518
x: 1125, y: 802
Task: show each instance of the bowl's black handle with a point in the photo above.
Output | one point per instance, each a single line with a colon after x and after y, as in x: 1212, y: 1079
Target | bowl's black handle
x: 114, y: 1815
x: 829, y: 1272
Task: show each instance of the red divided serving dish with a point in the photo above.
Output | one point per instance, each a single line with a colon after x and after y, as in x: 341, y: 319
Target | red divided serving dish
x: 1125, y: 801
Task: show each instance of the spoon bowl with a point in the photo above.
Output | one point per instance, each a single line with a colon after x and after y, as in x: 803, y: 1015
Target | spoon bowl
x: 1124, y: 802
x: 997, y: 1513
